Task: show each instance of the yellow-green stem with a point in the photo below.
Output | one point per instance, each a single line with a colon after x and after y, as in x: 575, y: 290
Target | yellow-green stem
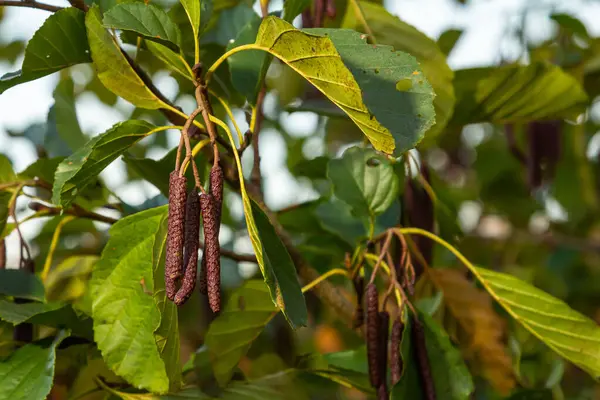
x: 335, y: 271
x: 231, y: 52
x: 53, y: 245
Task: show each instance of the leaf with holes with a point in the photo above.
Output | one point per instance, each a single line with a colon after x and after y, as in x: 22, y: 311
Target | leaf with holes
x: 80, y: 169
x: 147, y: 20
x: 390, y: 30
x: 113, y: 68
x: 381, y: 90
x: 364, y: 180
x: 59, y: 43
x: 230, y: 335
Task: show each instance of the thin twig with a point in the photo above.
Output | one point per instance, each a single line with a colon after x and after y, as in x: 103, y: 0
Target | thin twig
x: 384, y: 250
x: 30, y: 4
x: 204, y: 105
x: 75, y: 211
x: 235, y: 256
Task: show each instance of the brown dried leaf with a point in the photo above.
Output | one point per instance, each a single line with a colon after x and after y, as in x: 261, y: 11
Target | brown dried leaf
x: 480, y: 329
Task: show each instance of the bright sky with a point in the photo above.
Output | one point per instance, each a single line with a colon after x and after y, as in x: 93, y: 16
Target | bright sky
x: 485, y: 23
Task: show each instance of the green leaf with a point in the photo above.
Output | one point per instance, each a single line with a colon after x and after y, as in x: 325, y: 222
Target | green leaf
x: 382, y: 91
x: 113, y: 68
x: 167, y: 334
x: 7, y: 174
x: 60, y: 43
x: 364, y: 180
x: 566, y: 331
x: 248, y: 68
x: 274, y: 262
x: 199, y: 13
x: 28, y: 373
x: 17, y: 313
x: 293, y: 8
x: 348, y: 368
x: 172, y: 60
x: 125, y: 316
x: 81, y: 168
x: 279, y: 271
x: 68, y: 280
x: 4, y: 200
x: 390, y: 30
x: 67, y: 125
x: 230, y: 335
x: 571, y: 24
x: 21, y: 284
x: 42, y: 168
x: 516, y: 94
x: 448, y: 39
x: 147, y: 20
x: 336, y: 217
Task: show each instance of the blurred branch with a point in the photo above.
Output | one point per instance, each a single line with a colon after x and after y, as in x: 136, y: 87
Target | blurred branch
x: 235, y: 256
x: 75, y: 211
x: 551, y: 239
x: 30, y: 4
x: 79, y: 4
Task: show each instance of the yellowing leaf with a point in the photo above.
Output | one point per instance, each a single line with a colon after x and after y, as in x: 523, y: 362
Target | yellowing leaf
x: 114, y: 71
x: 481, y: 329
x: 381, y: 90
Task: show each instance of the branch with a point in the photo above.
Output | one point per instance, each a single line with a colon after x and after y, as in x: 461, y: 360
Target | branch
x: 75, y: 211
x: 235, y: 256
x: 30, y: 4
x: 79, y: 4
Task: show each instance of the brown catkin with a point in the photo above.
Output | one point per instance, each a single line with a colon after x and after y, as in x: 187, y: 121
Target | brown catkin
x: 396, y: 364
x: 384, y: 331
x: 373, y: 335
x: 190, y: 247
x: 422, y: 359
x: 211, y: 251
x: 174, y: 250
x: 359, y: 313
x: 216, y: 190
x: 2, y: 254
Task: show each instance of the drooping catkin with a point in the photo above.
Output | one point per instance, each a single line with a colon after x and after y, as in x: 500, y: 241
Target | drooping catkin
x: 174, y: 248
x: 190, y: 250
x: 216, y: 190
x: 211, y: 251
x: 396, y: 364
x: 359, y: 312
x: 422, y: 359
x: 384, y: 331
x: 373, y: 338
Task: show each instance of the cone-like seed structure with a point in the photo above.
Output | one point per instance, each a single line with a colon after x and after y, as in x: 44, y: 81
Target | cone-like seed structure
x: 216, y: 190
x: 418, y: 339
x: 174, y: 249
x: 396, y: 363
x: 373, y: 338
x: 211, y: 251
x: 359, y: 313
x: 384, y: 331
x: 190, y: 251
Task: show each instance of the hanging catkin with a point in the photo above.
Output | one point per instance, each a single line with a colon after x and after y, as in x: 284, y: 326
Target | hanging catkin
x: 359, y: 313
x: 373, y: 338
x: 211, y: 251
x: 216, y: 190
x: 190, y: 251
x: 384, y: 330
x: 174, y: 249
x: 396, y: 363
x: 420, y: 351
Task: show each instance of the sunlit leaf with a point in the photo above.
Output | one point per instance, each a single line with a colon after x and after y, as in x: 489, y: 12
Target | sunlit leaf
x: 80, y: 169
x: 125, y: 315
x: 113, y: 68
x: 172, y: 60
x: 382, y: 91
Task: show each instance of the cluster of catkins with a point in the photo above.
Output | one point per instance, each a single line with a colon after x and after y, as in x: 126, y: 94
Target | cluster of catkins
x: 378, y: 337
x: 183, y: 239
